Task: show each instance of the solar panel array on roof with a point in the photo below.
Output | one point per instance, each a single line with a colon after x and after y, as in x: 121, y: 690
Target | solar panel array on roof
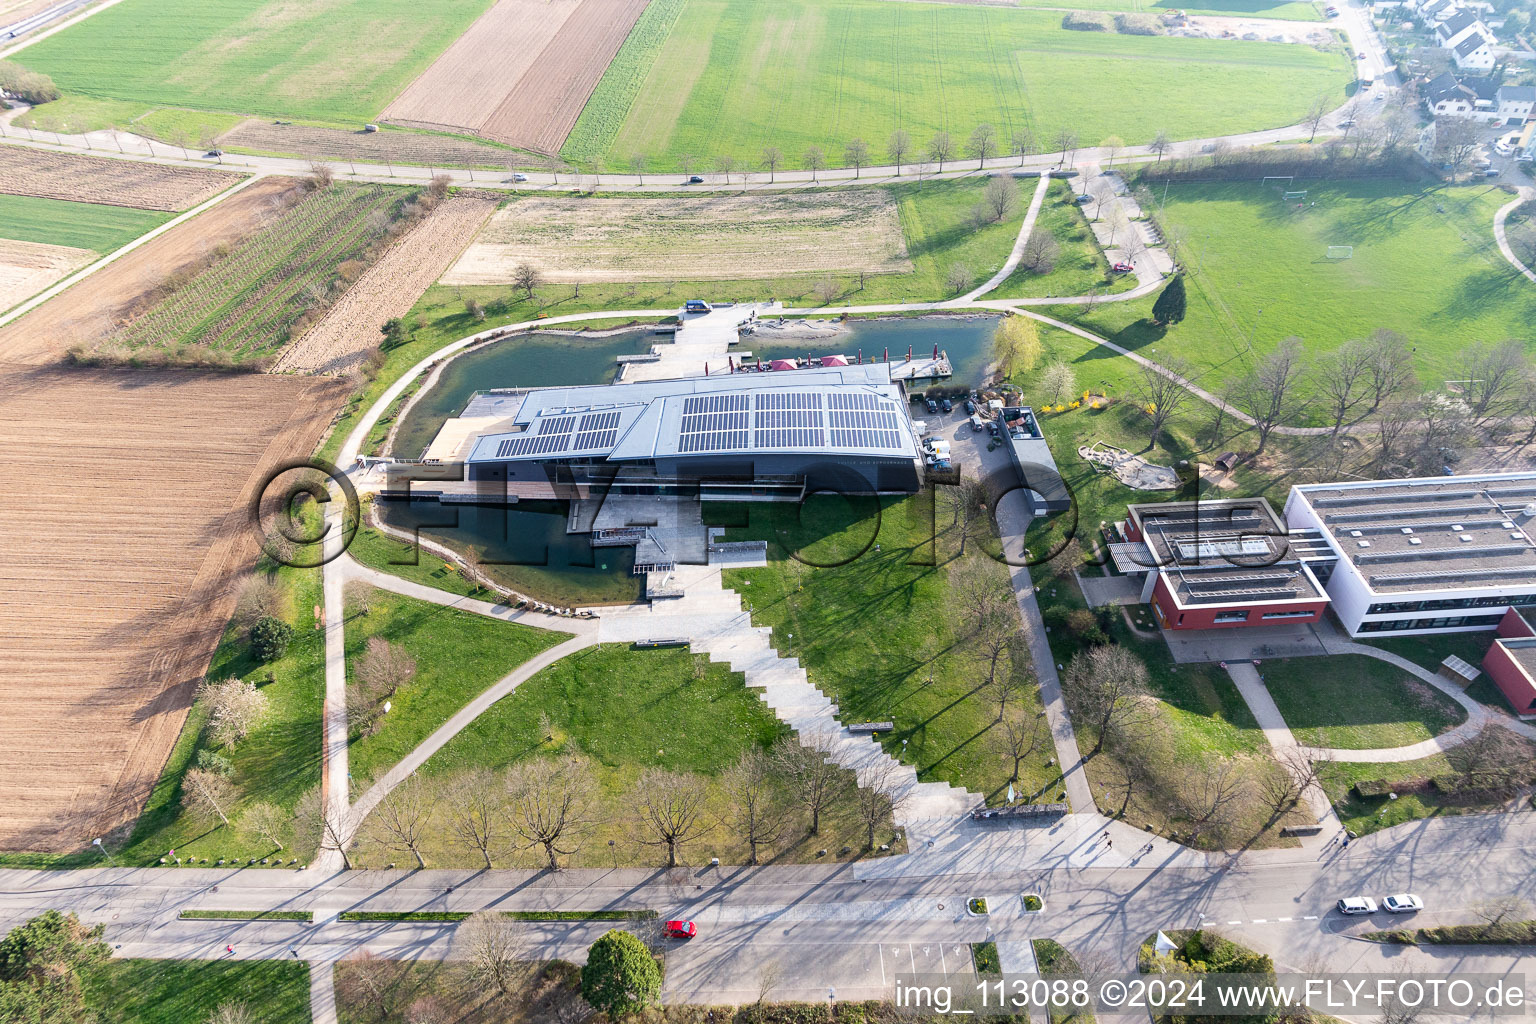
x: 861, y: 420
x: 557, y: 425
x: 539, y: 444
x: 714, y: 423
x: 597, y: 430
x: 788, y: 420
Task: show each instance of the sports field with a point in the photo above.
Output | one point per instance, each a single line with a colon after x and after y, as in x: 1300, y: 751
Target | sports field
x: 1424, y: 264
x: 734, y: 76
x: 342, y: 60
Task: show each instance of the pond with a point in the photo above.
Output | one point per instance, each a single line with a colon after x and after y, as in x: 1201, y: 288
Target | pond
x: 525, y: 547
x: 528, y: 360
x: 968, y: 340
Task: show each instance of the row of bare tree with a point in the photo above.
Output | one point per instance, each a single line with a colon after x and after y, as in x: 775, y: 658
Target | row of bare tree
x: 549, y: 805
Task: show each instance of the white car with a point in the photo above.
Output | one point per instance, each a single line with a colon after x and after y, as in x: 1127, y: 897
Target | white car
x: 1357, y: 905
x: 1402, y: 903
x: 519, y: 177
x: 935, y: 445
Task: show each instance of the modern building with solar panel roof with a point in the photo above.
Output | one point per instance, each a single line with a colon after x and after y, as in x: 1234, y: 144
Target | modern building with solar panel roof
x: 750, y: 436
x: 1430, y: 555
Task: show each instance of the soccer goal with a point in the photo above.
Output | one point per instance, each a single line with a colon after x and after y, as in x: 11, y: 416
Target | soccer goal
x: 1296, y: 195
x: 1275, y: 181
x: 1341, y: 252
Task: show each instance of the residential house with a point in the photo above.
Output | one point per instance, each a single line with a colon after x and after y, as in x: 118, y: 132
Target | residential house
x: 1447, y: 97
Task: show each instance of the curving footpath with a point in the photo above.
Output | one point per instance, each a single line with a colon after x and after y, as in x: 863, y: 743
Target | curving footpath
x: 1526, y: 194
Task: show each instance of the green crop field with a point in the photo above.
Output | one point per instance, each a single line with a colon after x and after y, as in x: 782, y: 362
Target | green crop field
x: 735, y: 76
x: 345, y: 59
x: 1425, y: 264
x: 1285, y: 10
x: 80, y: 225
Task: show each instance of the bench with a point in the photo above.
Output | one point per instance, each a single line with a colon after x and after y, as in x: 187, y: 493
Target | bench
x: 663, y: 642
x: 1019, y: 811
x: 1300, y: 830
x: 869, y: 727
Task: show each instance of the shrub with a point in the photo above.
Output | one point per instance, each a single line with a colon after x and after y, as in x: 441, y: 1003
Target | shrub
x: 213, y: 761
x: 26, y: 85
x: 1085, y: 624
x: 1373, y: 787
x: 1138, y: 25
x: 1085, y: 21
x: 621, y: 976
x: 270, y: 638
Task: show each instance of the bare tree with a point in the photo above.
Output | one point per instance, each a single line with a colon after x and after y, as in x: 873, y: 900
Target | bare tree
x: 265, y: 820
x: 940, y: 148
x: 1456, y: 139
x: 1066, y: 142
x: 1446, y: 429
x: 1270, y: 391
x: 1394, y: 421
x: 551, y: 804
x: 725, y: 164
x: 1493, y: 759
x: 1023, y: 734
x: 1160, y: 392
x: 553, y: 164
x: 403, y: 818
x: 1315, y: 115
x: 1107, y: 687
x: 1058, y: 381
x: 320, y: 176
x: 983, y: 143
x: 876, y: 799
x: 754, y: 813
x: 1395, y: 125
x: 259, y: 597
x: 999, y: 648
x: 959, y: 278
x: 476, y: 811
x: 203, y: 790
x: 1160, y: 145
x: 769, y: 974
x: 1214, y: 797
x: 1040, y: 251
x: 1389, y: 367
x: 326, y: 827
x: 1112, y: 145
x: 1021, y: 143
x: 897, y: 147
x: 1000, y: 197
x: 806, y: 764
x: 856, y: 154
x: 178, y: 137
x: 494, y: 951
x: 232, y: 1013
x: 1495, y: 374
x: 377, y: 675
x: 1343, y: 379
x: 637, y: 166
x: 772, y: 157
x: 234, y: 707
x: 967, y: 505
x: 670, y: 806
x: 815, y: 158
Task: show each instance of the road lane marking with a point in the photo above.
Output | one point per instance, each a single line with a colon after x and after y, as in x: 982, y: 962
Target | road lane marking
x: 881, y: 948
x: 1310, y: 917
x: 1283, y: 919
x: 1260, y: 920
x: 1234, y: 922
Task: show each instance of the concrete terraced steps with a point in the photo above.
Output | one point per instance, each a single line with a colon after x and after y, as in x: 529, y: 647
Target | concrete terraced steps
x: 711, y: 617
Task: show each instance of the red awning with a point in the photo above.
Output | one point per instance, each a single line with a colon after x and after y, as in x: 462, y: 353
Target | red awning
x: 782, y: 364
x: 833, y: 361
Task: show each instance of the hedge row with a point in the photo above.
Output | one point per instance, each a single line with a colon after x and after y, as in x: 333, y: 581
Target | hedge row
x: 1505, y: 933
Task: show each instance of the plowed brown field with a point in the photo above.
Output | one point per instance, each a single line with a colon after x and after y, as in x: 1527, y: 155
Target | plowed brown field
x: 541, y: 111
x: 465, y: 85
x: 522, y: 73
x: 124, y: 522
x: 26, y: 268
x: 389, y: 288
x: 90, y: 179
x: 90, y: 309
x: 708, y: 238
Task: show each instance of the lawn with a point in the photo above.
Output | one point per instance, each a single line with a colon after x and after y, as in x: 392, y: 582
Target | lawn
x: 1080, y: 266
x: 1356, y: 702
x: 735, y: 76
x: 628, y: 710
x: 458, y: 655
x: 1284, y: 10
x: 1364, y: 815
x: 343, y: 60
x: 79, y: 225
x: 188, y: 991
x: 1424, y: 264
x: 868, y: 608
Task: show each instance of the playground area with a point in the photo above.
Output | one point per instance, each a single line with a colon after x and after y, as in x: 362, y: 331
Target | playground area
x: 1131, y: 470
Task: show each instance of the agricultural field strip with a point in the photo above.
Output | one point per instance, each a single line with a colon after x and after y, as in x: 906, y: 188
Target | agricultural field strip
x: 28, y: 171
x: 708, y: 238
x: 387, y: 289
x: 540, y: 112
x: 471, y: 78
x: 26, y: 268
x: 226, y: 295
x: 386, y: 148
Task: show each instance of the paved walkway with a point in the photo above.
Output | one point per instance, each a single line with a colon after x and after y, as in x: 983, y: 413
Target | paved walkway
x: 1526, y: 193
x: 1017, y: 252
x: 1278, y: 734
x: 322, y: 991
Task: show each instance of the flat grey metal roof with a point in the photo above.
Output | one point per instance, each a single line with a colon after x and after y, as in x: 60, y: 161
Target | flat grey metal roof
x: 1433, y: 533
x: 1225, y: 551
x: 843, y: 410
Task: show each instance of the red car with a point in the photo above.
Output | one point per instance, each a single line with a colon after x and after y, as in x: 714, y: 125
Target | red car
x: 681, y: 929
x: 1123, y: 268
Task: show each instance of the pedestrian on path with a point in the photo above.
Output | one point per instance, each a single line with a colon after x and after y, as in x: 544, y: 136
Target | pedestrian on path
x: 229, y: 949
